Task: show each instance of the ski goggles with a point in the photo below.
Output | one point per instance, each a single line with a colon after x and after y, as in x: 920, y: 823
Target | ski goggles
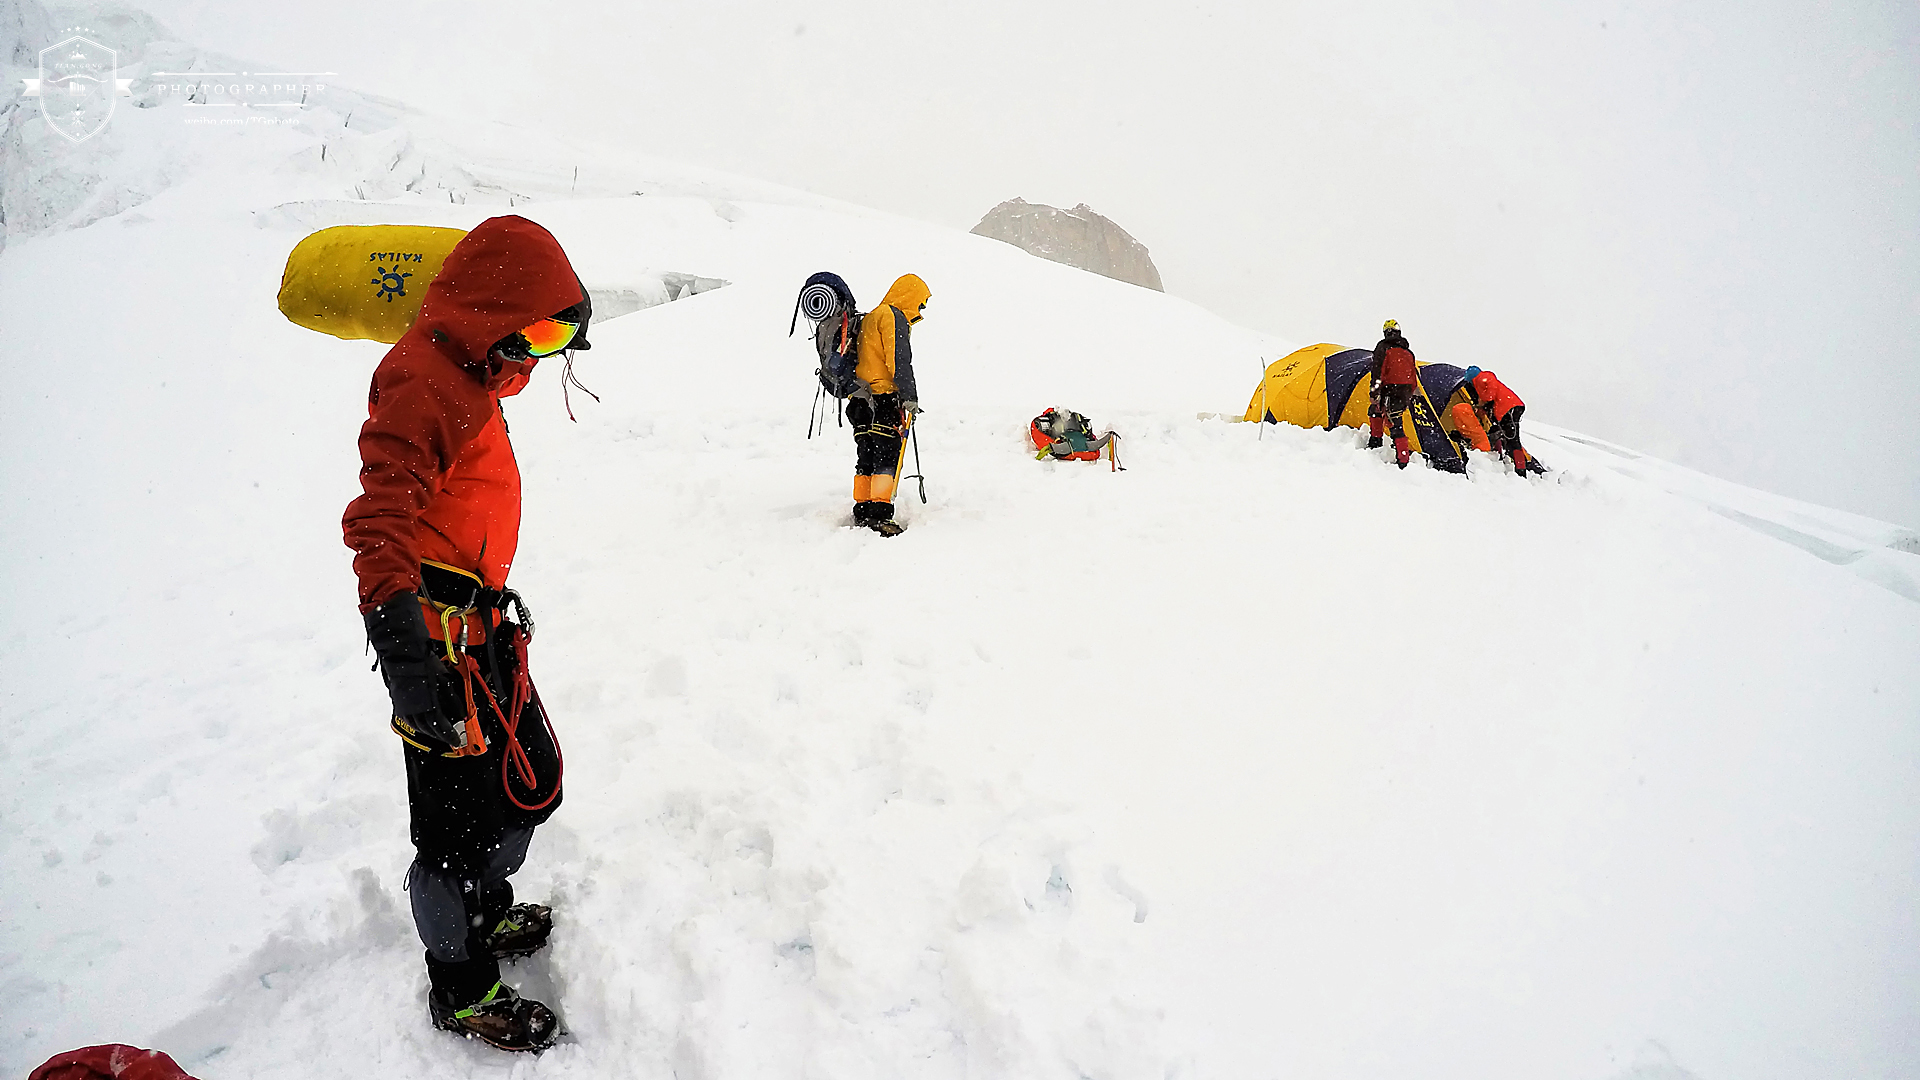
x: 549, y: 336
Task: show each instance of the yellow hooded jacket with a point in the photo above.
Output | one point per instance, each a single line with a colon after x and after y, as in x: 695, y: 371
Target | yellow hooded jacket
x: 886, y: 351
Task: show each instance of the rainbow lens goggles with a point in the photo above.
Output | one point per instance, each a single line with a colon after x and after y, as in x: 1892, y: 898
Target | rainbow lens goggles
x: 549, y: 336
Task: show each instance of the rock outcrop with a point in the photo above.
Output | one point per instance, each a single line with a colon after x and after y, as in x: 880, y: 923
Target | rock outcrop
x: 1078, y: 237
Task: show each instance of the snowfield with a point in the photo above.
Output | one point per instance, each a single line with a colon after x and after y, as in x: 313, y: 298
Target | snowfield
x: 1259, y: 759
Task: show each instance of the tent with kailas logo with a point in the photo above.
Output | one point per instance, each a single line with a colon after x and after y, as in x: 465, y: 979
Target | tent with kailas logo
x: 1326, y: 385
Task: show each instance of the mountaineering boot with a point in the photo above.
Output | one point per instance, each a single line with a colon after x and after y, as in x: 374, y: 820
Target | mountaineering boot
x: 1374, y: 442
x: 522, y: 931
x: 887, y: 527
x: 502, y: 1019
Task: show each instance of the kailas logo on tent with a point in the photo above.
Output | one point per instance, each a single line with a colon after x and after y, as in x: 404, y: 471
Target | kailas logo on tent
x: 77, y: 87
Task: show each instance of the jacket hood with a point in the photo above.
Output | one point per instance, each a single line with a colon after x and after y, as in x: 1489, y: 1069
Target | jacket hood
x: 907, y: 294
x: 505, y: 275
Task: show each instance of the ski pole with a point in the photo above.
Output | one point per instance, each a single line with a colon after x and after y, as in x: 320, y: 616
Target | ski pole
x: 814, y: 413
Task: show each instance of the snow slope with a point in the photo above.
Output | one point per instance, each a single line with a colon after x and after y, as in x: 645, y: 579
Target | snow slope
x: 1261, y: 758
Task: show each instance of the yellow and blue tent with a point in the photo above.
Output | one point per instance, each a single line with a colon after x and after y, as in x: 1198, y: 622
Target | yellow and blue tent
x: 1326, y: 386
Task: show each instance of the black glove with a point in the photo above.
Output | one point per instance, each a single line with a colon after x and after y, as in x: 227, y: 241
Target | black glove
x: 410, y: 665
x: 433, y: 730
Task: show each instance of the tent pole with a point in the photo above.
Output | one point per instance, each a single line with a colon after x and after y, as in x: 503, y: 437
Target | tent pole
x: 1263, y: 400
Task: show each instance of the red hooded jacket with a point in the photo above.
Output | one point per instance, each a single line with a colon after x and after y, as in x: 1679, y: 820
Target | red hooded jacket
x: 437, y: 470
x: 1494, y: 396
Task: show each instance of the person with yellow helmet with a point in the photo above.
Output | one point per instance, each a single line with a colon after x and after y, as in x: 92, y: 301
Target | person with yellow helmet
x: 1391, y: 392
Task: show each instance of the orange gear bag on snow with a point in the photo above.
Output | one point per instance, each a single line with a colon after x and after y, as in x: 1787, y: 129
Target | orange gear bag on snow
x: 1069, y: 429
x: 1068, y: 436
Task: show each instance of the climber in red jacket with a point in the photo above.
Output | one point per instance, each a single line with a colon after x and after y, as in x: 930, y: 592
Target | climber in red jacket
x: 433, y: 537
x: 1494, y: 398
x: 1391, y: 394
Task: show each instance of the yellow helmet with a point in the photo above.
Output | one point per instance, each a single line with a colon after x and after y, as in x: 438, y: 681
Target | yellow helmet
x: 1390, y: 324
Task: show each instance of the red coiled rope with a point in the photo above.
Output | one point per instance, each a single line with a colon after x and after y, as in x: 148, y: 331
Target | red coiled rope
x: 514, y: 756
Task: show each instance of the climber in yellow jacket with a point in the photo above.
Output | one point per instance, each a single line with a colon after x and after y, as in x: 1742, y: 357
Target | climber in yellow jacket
x: 883, y: 410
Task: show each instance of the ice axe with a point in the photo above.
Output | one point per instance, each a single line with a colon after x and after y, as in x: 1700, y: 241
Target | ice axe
x: 913, y: 433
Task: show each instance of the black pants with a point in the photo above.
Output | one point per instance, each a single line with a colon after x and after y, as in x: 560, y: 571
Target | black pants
x: 1506, y: 431
x: 877, y: 441
x: 1387, y: 410
x: 468, y: 836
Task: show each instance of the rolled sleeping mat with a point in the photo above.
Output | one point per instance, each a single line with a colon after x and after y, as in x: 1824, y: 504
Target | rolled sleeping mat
x: 819, y: 302
x: 824, y: 296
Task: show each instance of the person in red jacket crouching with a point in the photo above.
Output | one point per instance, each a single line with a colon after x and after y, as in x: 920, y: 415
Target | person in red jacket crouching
x: 433, y: 537
x: 1505, y: 407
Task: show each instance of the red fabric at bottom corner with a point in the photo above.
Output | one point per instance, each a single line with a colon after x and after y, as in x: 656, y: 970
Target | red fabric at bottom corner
x: 112, y: 1061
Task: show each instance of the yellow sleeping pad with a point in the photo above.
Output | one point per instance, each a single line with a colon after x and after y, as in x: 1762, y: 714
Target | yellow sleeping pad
x: 363, y: 281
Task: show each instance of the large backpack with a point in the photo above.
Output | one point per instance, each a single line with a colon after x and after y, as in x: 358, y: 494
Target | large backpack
x: 837, y: 342
x: 1397, y: 367
x: 1068, y: 436
x: 828, y: 303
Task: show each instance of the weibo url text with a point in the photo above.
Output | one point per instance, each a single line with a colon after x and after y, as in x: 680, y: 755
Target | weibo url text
x: 242, y: 118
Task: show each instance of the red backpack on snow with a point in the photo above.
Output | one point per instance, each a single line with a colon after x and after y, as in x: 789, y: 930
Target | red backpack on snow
x: 1068, y: 436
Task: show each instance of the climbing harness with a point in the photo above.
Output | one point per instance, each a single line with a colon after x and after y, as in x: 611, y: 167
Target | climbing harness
x: 461, y: 629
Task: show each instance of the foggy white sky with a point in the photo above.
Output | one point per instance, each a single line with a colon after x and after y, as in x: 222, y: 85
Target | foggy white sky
x: 1689, y: 228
